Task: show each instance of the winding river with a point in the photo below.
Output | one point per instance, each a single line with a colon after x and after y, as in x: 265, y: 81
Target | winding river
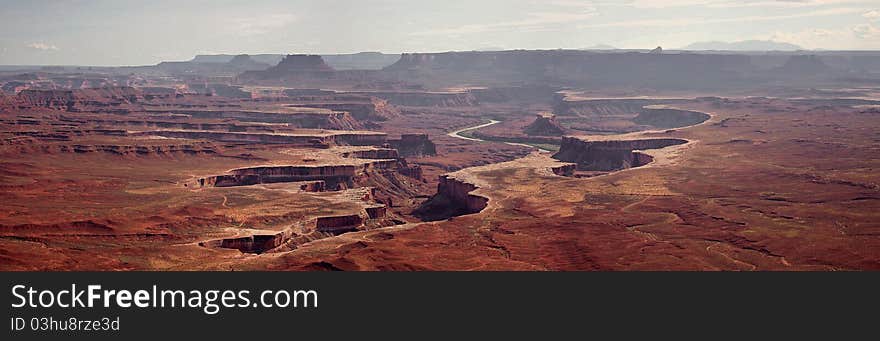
x: 457, y: 134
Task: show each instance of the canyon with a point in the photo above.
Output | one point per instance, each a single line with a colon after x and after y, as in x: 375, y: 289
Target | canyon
x: 480, y: 160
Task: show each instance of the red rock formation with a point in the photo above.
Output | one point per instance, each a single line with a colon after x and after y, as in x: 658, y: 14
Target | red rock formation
x: 608, y: 155
x: 258, y: 243
x: 453, y: 198
x: 544, y: 125
x: 414, y: 145
x: 373, y: 153
x: 338, y: 224
x: 568, y: 169
x: 376, y: 212
x: 336, y: 176
x: 80, y: 99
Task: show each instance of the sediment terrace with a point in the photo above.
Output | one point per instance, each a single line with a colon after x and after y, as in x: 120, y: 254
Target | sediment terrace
x: 610, y: 153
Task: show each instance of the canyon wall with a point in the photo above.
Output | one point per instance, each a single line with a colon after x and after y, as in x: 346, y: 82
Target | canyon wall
x: 333, y: 177
x: 607, y: 155
x: 453, y: 198
x: 413, y: 145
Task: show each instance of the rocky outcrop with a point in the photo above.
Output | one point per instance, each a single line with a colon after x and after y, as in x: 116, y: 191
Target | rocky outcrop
x: 313, y: 186
x: 453, y: 198
x: 666, y: 118
x: 376, y: 212
x: 607, y: 155
x: 544, y: 125
x: 567, y: 169
x: 293, y: 66
x: 373, y: 153
x: 413, y: 145
x: 80, y: 99
x: 339, y: 224
x: 333, y: 177
x: 258, y: 243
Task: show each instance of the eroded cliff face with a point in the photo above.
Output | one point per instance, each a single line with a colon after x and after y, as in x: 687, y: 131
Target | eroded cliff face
x: 544, y: 125
x: 80, y: 99
x: 339, y: 224
x: 453, y: 198
x: 334, y: 177
x: 414, y: 145
x: 607, y: 155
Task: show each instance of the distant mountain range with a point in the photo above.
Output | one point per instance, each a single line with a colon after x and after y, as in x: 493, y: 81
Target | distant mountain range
x: 361, y: 60
x: 745, y: 45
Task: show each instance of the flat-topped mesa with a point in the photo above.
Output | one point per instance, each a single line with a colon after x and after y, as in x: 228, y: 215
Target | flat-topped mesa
x: 414, y: 145
x: 333, y: 176
x: 81, y: 99
x: 302, y: 62
x: 544, y: 125
x: 607, y: 154
x: 293, y: 66
x: 339, y: 224
x: 666, y: 118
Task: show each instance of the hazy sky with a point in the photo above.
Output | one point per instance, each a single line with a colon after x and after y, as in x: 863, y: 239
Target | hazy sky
x: 122, y: 32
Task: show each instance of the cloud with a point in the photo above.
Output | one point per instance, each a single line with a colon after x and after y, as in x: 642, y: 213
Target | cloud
x: 860, y: 37
x: 673, y: 22
x: 536, y: 21
x: 872, y: 15
x: 262, y: 24
x: 733, y: 3
x: 43, y: 46
x: 866, y: 31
